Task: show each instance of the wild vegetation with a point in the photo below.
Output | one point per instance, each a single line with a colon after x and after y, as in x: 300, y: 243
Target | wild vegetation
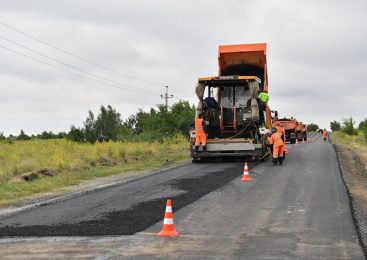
x: 347, y: 127
x: 105, y: 145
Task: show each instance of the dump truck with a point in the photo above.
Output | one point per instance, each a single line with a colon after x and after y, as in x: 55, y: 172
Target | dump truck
x: 290, y: 126
x: 234, y: 115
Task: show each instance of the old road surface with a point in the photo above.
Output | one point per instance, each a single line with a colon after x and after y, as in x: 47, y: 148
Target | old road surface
x: 300, y: 210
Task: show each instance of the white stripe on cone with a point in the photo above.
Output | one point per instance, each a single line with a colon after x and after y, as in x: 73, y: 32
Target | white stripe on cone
x: 168, y: 208
x: 168, y: 221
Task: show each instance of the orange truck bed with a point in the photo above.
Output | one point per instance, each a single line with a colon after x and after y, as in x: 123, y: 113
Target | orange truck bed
x: 244, y: 60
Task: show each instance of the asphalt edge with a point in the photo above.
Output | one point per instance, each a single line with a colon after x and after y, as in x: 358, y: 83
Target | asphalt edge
x: 352, y: 208
x: 6, y: 212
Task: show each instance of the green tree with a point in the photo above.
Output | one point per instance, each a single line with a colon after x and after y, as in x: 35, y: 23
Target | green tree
x: 2, y: 136
x: 107, y: 124
x: 335, y: 126
x: 90, y: 128
x: 363, y: 124
x: 363, y: 128
x: 160, y: 123
x: 46, y: 135
x: 76, y: 134
x: 22, y: 136
x: 348, y: 126
x: 312, y: 127
x: 61, y: 135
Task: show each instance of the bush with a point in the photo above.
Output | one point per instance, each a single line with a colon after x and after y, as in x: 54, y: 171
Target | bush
x: 335, y: 126
x: 348, y: 126
x: 76, y: 134
x: 362, y: 125
x: 363, y: 128
x: 23, y: 136
x: 312, y: 127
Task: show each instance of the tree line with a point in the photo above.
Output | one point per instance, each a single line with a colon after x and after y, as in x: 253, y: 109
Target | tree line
x: 106, y: 125
x: 347, y: 126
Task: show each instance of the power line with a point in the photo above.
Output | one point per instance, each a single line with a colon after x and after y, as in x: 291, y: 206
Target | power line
x: 78, y: 57
x: 71, y: 72
x: 87, y: 60
x: 73, y: 67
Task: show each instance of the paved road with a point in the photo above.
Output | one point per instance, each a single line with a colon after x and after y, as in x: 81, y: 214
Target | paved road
x: 297, y: 211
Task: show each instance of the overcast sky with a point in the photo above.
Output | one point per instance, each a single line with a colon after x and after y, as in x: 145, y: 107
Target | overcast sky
x: 317, y: 56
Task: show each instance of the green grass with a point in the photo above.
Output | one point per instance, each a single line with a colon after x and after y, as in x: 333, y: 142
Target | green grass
x: 353, y: 141
x: 72, y: 162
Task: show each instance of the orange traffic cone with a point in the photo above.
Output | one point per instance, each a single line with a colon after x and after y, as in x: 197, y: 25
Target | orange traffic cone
x: 246, y: 175
x: 168, y: 228
x: 285, y: 149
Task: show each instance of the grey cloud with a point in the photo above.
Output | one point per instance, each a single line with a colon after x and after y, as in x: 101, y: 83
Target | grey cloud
x: 316, y: 55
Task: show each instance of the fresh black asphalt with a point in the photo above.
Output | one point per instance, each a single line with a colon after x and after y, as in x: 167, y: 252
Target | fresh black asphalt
x: 124, y: 209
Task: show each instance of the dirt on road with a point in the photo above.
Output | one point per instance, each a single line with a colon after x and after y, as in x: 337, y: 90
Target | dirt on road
x: 353, y: 167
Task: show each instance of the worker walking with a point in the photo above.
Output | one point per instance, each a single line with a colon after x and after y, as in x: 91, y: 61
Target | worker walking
x: 200, y: 133
x: 278, y: 146
x: 324, y: 134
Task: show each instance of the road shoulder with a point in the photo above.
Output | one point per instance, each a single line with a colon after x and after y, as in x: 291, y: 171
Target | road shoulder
x: 352, y: 169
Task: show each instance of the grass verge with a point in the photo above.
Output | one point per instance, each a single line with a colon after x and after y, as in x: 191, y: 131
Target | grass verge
x: 357, y: 142
x: 71, y: 163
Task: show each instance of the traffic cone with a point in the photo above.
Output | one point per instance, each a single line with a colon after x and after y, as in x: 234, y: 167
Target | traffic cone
x: 246, y: 175
x: 168, y: 228
x: 296, y: 141
x: 303, y: 140
x: 285, y: 149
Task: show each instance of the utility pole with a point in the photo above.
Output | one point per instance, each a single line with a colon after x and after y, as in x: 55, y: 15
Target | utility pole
x: 166, y: 97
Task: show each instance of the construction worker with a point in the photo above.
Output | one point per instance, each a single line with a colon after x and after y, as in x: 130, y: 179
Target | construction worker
x: 324, y: 134
x: 278, y: 146
x: 200, y: 133
x: 263, y: 96
x: 281, y: 131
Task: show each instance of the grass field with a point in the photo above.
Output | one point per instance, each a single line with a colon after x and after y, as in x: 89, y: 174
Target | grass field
x: 354, y: 141
x: 72, y: 162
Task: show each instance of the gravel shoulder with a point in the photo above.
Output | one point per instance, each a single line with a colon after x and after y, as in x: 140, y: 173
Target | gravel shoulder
x: 353, y: 167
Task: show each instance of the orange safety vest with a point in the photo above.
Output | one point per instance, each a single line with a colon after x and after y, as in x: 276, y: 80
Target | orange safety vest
x: 280, y: 130
x: 324, y: 133
x: 276, y: 140
x: 199, y: 129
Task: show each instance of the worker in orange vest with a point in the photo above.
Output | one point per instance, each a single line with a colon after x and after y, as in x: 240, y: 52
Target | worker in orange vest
x: 281, y: 131
x: 278, y: 146
x: 200, y: 133
x: 324, y: 134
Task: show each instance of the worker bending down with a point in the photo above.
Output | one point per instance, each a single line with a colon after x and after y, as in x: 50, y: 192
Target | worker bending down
x: 200, y: 133
x: 278, y: 146
x: 281, y: 131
